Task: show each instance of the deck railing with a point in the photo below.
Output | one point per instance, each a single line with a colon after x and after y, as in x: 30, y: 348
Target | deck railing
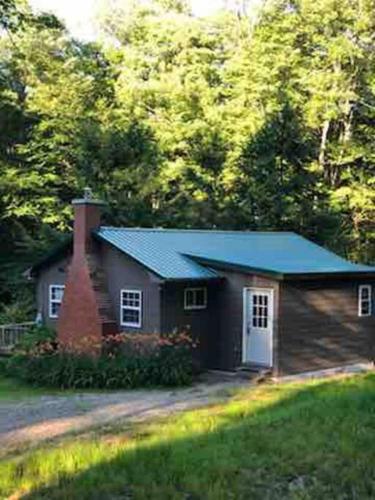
x: 10, y: 335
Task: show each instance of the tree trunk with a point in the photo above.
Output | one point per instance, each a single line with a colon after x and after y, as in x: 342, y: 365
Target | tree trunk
x: 323, y: 144
x: 345, y: 137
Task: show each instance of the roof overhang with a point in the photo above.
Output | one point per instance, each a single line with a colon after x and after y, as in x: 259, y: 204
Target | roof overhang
x: 194, y: 280
x: 230, y: 266
x: 279, y: 276
x: 330, y: 275
x: 58, y: 252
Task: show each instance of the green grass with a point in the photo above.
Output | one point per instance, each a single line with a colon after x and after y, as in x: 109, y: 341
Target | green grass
x: 314, y: 440
x: 12, y: 389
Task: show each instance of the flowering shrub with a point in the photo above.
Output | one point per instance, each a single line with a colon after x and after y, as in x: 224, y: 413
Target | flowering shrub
x: 127, y: 344
x: 38, y: 341
x: 142, y: 344
x: 127, y: 361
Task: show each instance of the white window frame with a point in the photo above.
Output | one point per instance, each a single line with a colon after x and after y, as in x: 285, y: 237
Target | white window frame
x: 194, y: 291
x: 132, y: 308
x: 54, y: 301
x: 361, y: 300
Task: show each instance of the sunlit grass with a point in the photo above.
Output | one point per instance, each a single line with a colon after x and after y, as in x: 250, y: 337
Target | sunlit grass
x: 311, y: 440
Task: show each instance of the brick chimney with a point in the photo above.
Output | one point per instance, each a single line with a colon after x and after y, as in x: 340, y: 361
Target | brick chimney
x: 85, y: 314
x: 86, y: 219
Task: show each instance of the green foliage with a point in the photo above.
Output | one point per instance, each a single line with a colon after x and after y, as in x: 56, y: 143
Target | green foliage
x: 231, y: 121
x: 19, y: 311
x: 36, y: 337
x: 38, y: 362
x: 3, y: 366
x: 11, y: 14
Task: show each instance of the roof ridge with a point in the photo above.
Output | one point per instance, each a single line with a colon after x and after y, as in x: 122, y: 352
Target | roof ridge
x: 177, y: 230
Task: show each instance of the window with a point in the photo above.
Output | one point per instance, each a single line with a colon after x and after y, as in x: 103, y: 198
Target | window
x: 195, y: 298
x: 131, y: 308
x: 364, y: 300
x: 260, y: 310
x: 56, y: 293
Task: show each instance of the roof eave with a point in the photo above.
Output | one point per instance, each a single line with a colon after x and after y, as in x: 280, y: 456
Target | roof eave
x: 224, y: 265
x: 195, y: 279
x: 329, y: 275
x: 57, y: 252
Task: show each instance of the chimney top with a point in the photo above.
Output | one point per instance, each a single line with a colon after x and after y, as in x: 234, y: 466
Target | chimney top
x: 87, y: 199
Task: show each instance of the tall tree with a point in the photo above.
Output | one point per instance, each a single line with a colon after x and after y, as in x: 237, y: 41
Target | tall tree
x: 234, y: 120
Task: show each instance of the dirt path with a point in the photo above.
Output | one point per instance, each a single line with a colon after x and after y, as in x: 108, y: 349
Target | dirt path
x: 39, y: 418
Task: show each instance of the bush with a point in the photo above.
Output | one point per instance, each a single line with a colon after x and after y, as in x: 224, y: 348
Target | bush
x: 17, y: 312
x: 3, y: 366
x: 128, y: 361
x: 38, y: 340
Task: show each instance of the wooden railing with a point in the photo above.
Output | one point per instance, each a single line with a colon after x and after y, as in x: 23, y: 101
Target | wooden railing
x: 10, y: 335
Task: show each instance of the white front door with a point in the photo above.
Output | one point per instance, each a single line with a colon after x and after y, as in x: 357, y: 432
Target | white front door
x: 258, y: 326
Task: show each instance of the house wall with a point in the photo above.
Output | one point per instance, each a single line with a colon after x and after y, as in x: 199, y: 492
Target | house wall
x: 316, y: 323
x: 219, y: 327
x: 122, y: 272
x: 202, y: 324
x: 319, y: 326
x: 55, y: 274
x: 231, y: 316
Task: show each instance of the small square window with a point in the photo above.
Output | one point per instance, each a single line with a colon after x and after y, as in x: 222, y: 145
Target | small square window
x: 195, y: 298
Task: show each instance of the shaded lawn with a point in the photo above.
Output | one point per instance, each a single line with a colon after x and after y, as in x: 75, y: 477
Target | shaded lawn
x: 314, y: 440
x: 11, y: 389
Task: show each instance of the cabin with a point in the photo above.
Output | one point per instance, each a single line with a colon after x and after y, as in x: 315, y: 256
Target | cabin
x: 259, y: 300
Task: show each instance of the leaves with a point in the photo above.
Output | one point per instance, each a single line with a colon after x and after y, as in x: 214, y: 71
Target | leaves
x: 232, y: 121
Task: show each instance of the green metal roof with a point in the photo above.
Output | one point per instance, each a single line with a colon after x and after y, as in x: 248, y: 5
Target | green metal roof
x: 187, y: 254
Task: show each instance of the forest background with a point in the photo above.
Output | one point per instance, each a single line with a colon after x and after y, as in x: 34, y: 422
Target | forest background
x: 237, y: 120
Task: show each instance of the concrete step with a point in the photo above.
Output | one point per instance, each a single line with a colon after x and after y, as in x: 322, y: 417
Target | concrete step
x: 250, y: 367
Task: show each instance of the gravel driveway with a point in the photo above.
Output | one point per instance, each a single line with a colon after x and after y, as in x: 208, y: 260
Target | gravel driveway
x: 39, y: 418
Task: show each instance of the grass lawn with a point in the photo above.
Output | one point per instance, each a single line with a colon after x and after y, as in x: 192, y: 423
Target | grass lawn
x: 12, y: 389
x: 312, y: 440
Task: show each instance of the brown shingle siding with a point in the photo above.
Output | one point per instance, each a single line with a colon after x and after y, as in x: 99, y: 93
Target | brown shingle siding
x: 231, y: 315
x: 124, y: 273
x: 320, y: 327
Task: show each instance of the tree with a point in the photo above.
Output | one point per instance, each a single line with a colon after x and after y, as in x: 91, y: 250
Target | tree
x: 234, y: 121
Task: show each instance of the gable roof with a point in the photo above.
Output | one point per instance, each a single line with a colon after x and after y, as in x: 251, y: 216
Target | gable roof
x: 185, y: 254
x: 57, y: 252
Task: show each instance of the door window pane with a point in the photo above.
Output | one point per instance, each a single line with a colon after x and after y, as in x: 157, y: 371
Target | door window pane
x: 260, y: 310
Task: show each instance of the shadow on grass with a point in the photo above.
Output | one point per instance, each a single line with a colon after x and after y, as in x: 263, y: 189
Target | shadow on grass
x: 315, y: 441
